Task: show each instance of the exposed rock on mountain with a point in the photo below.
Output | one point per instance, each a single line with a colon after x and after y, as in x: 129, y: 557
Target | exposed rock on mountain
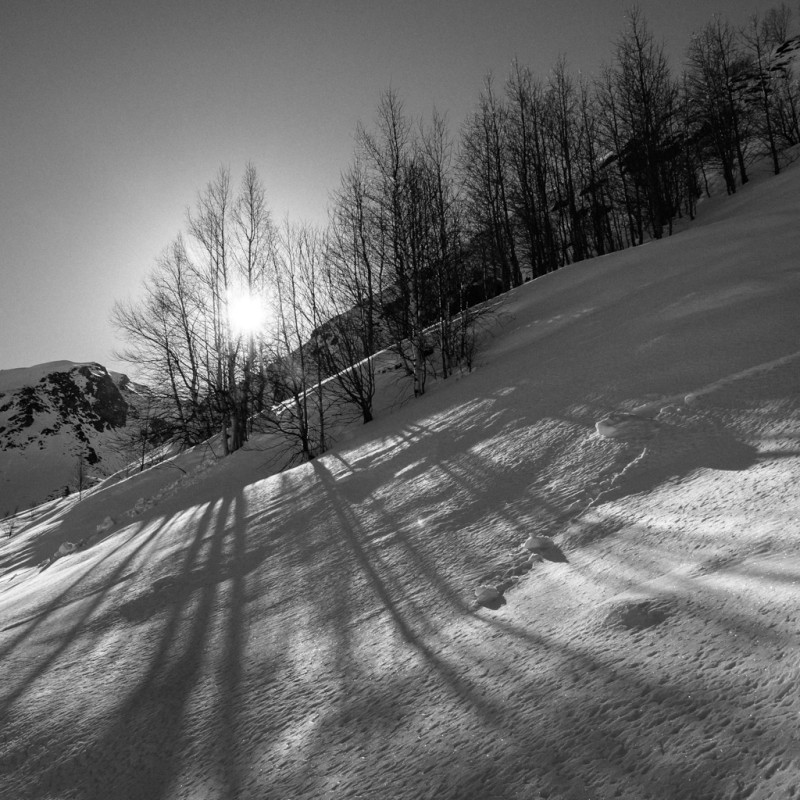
x: 58, y: 420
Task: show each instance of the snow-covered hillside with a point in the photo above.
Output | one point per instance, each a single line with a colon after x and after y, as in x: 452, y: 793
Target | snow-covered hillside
x: 621, y: 470
x: 53, y: 416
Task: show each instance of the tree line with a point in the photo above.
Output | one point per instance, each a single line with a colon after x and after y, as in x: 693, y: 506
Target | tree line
x: 246, y: 323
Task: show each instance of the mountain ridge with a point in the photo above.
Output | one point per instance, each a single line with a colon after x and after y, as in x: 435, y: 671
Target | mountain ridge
x: 53, y: 417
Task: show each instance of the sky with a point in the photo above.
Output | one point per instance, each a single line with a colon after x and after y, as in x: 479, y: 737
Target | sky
x: 115, y: 114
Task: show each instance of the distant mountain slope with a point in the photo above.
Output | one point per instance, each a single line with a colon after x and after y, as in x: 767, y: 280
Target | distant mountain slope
x: 53, y: 416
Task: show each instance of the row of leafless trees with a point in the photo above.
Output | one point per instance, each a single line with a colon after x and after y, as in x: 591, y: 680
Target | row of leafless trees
x: 556, y: 170
x: 423, y: 228
x: 388, y: 272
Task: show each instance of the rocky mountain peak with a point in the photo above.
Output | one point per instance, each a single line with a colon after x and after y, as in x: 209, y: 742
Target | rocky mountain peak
x: 56, y: 414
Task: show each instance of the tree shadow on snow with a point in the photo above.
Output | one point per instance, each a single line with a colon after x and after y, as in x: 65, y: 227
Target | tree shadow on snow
x: 186, y: 638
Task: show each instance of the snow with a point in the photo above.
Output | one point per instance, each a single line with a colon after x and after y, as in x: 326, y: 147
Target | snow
x: 572, y: 573
x: 11, y: 379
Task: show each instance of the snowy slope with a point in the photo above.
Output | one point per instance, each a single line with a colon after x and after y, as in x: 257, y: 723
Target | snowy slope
x: 622, y: 469
x: 52, y: 414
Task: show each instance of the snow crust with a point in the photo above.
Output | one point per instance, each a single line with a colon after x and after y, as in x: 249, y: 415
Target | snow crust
x: 572, y: 573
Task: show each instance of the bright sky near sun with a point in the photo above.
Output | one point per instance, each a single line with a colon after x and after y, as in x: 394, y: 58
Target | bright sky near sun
x: 114, y: 114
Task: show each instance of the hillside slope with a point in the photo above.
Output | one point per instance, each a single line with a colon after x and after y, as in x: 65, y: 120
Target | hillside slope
x: 622, y: 466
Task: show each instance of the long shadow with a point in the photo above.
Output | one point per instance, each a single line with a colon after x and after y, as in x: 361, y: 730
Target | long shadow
x: 599, y: 737
x: 230, y: 670
x: 196, y: 612
x: 201, y: 611
x: 65, y: 639
x: 149, y: 712
x: 486, y: 491
x: 369, y: 564
x: 358, y: 488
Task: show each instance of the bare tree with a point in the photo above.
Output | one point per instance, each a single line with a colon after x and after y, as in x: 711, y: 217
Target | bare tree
x: 295, y: 285
x: 401, y: 230
x: 147, y: 427
x: 447, y: 269
x: 566, y: 133
x: 80, y: 474
x: 595, y: 184
x: 531, y: 167
x: 644, y: 99
x: 716, y: 67
x: 784, y: 83
x: 163, y: 334
x: 355, y: 267
x: 254, y: 245
x: 485, y: 169
x: 624, y: 190
x: 184, y: 335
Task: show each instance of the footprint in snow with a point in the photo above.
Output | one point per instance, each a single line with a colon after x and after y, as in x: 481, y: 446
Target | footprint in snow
x: 636, y: 613
x: 535, y: 550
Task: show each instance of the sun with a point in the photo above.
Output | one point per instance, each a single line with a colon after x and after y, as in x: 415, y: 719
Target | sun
x: 247, y: 313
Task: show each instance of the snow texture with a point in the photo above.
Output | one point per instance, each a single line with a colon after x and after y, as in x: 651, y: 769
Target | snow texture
x: 572, y: 573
